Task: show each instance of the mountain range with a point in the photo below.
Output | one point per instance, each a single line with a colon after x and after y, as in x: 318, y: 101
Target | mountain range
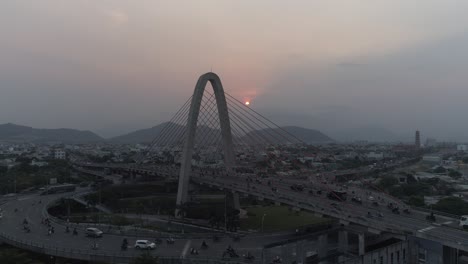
x: 310, y: 136
x: 17, y: 133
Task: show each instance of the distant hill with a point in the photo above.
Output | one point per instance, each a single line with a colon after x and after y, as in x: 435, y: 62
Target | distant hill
x: 172, y: 131
x: 367, y: 133
x: 16, y: 133
x: 309, y: 136
x: 142, y: 135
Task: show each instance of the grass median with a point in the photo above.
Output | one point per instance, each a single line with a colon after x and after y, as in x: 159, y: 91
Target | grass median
x: 278, y: 218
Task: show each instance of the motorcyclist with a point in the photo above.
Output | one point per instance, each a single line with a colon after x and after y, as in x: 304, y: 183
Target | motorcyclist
x: 124, y: 244
x: 204, y: 245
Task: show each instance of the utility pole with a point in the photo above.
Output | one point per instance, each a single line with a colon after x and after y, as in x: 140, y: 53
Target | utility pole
x: 15, y: 183
x: 225, y: 210
x: 263, y: 220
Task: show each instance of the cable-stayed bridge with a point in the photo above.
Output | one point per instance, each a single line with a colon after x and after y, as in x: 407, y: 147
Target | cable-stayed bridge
x: 230, y: 135
x: 218, y: 141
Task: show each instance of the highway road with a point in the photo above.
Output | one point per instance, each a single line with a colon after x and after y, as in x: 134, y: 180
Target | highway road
x: 413, y: 223
x: 445, y: 229
x: 34, y: 212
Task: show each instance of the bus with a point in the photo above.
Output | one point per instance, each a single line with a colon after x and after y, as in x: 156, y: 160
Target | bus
x: 464, y: 221
x: 59, y: 189
x: 337, y: 195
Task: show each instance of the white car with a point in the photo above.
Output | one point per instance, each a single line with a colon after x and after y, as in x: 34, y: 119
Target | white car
x: 464, y: 221
x: 93, y: 232
x: 144, y: 244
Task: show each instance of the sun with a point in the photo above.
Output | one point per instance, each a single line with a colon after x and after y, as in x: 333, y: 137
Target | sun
x: 247, y: 103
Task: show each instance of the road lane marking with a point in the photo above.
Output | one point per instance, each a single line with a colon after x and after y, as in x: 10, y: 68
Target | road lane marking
x: 447, y: 223
x: 426, y: 229
x: 186, y: 248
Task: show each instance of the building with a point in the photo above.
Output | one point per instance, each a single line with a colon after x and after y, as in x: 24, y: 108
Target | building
x: 432, y: 159
x: 38, y: 163
x: 375, y: 155
x: 417, y: 139
x: 431, y: 142
x: 60, y: 154
x: 463, y: 148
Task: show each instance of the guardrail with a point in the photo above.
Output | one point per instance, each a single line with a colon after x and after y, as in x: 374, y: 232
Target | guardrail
x: 131, y: 231
x: 457, y: 217
x: 103, y: 256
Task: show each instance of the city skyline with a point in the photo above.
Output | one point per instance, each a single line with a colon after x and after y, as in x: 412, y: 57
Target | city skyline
x: 113, y: 66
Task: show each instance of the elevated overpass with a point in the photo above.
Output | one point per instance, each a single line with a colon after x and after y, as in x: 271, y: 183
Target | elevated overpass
x: 444, y: 230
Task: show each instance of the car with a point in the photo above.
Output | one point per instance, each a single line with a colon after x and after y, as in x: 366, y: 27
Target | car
x: 93, y: 232
x: 144, y: 244
x: 371, y: 198
x: 375, y: 203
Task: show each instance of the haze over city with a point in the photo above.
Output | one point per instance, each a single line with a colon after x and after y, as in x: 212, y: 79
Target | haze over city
x: 254, y: 132
x: 116, y: 66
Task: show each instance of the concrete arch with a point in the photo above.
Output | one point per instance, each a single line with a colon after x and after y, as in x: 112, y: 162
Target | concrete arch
x: 186, y: 163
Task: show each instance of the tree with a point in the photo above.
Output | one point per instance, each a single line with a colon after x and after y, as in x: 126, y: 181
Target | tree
x: 440, y: 169
x: 452, y: 205
x: 388, y: 182
x: 146, y: 258
x: 465, y: 160
x: 455, y: 174
x: 14, y: 256
x: 416, y: 200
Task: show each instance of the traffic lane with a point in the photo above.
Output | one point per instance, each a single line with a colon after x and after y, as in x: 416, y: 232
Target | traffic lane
x: 112, y: 243
x: 350, y: 209
x: 365, y: 195
x: 420, y: 216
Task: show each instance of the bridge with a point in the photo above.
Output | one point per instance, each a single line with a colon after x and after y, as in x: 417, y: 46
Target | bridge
x: 228, y: 134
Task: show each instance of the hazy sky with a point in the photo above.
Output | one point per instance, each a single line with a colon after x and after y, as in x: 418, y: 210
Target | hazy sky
x: 113, y: 66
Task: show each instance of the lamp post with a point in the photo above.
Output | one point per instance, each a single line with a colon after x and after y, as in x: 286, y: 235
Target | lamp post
x: 263, y: 220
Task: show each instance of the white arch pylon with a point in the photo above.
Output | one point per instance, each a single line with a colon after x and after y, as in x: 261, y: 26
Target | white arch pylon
x: 186, y: 163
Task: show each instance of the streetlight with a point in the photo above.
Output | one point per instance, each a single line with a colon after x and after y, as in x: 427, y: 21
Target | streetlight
x: 263, y: 220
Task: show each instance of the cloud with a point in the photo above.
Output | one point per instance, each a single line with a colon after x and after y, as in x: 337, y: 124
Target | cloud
x: 117, y: 17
